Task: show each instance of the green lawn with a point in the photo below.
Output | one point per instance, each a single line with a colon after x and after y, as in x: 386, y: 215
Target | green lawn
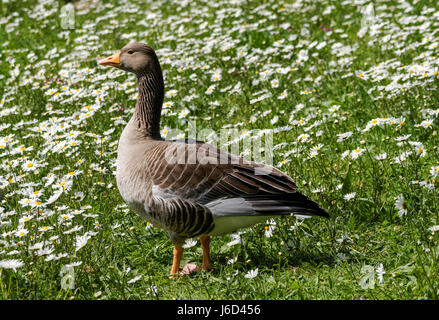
x: 348, y: 90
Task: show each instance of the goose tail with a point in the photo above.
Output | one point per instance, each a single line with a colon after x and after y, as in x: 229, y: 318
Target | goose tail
x: 267, y: 205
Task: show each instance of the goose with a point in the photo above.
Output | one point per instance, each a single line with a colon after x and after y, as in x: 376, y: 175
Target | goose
x: 187, y: 187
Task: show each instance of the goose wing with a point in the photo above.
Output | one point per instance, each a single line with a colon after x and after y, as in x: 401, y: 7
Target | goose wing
x: 225, y: 183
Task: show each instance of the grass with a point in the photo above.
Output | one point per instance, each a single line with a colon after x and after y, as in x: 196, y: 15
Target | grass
x: 63, y: 114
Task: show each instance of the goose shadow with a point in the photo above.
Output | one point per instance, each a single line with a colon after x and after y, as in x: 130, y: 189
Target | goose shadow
x: 266, y: 260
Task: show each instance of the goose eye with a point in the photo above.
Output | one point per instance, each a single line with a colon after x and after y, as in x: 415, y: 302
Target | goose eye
x: 130, y: 51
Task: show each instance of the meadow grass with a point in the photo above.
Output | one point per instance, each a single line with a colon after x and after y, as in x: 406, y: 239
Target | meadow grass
x: 347, y: 89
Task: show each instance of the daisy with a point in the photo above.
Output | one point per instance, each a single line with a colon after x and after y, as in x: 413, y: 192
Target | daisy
x: 183, y: 114
x: 343, y: 136
x: 356, y: 153
x: 402, y: 157
x: 269, y: 231
x: 74, y: 143
x: 189, y: 243
x: 25, y: 219
x: 73, y: 264
x: 209, y: 90
x: 434, y: 171
x: 420, y: 151
x: 234, y: 242
x: 380, y: 272
x: 65, y: 185
x: 241, y: 53
x: 237, y: 240
x: 372, y: 123
x: 252, y: 274
x: 148, y: 225
x: 274, y: 83
x: 74, y: 229
x: 55, y: 196
x: 36, y: 203
x: 168, y: 104
x: 34, y: 194
x: 21, y: 232
x: 361, y: 75
x: 300, y: 106
x: 65, y: 217
x: 302, y: 138
x: 11, y: 264
x: 426, y: 123
x: 44, y: 228
x: 334, y: 108
x: 21, y: 149
x: 300, y: 122
x: 434, y: 112
x: 216, y: 75
x: 402, y: 138
x: 45, y: 251
x: 349, y: 196
x: 233, y: 260
x: 29, y: 165
x: 381, y: 156
x: 270, y: 228
x: 171, y: 93
x: 25, y: 202
x: 401, y: 205
x: 81, y: 241
x: 137, y: 278
x: 283, y: 95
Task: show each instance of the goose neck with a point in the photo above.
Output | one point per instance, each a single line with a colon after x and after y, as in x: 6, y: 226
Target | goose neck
x: 149, y: 103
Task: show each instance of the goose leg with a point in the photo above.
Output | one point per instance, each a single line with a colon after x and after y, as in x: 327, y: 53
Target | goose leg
x: 178, y: 252
x: 205, y: 244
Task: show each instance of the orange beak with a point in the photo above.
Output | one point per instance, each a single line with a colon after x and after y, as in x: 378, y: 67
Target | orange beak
x: 111, y: 61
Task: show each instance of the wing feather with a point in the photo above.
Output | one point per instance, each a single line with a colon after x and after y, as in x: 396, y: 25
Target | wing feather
x: 207, y: 181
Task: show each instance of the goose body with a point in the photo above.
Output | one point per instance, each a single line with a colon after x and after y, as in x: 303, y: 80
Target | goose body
x: 190, y: 188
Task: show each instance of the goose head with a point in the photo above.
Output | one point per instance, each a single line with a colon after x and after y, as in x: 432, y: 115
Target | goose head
x: 135, y: 57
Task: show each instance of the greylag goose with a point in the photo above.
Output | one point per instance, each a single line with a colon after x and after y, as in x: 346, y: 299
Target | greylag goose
x: 190, y: 188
